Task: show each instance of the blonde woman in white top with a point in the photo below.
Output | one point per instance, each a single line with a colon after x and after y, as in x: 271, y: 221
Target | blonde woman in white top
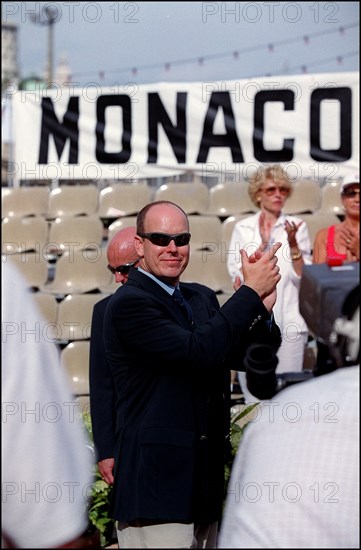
x: 269, y: 188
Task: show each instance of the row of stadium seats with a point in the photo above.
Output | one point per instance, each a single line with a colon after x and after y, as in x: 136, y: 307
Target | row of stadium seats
x: 69, y: 319
x: 70, y: 256
x: 74, y: 248
x: 84, y: 271
x: 120, y: 199
x: 206, y: 229
x: 52, y: 239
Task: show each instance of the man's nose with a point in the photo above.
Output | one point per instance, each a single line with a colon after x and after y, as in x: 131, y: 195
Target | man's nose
x: 172, y: 246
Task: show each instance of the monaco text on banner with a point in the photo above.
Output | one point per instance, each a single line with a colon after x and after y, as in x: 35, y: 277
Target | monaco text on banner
x: 307, y: 123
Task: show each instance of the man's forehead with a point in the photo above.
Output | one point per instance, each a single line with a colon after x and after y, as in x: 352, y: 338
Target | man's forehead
x: 161, y: 213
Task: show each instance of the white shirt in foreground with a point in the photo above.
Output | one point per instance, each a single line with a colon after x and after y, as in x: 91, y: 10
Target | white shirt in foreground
x: 295, y: 479
x: 46, y: 465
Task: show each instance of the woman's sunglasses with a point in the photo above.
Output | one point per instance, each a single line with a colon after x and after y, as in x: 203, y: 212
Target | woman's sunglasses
x: 272, y: 190
x: 350, y: 193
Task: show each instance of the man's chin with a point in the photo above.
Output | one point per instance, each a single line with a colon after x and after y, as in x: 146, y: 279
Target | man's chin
x: 170, y: 276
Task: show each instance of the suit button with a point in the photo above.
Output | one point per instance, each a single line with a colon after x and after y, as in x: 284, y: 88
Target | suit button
x: 203, y: 437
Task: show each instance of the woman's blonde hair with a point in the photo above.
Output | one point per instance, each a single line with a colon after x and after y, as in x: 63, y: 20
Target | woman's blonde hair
x: 274, y: 172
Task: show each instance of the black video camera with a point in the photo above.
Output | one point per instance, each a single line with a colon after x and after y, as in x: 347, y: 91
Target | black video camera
x: 327, y: 296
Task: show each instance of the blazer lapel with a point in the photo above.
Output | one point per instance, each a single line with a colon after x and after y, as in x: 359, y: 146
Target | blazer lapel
x: 143, y: 281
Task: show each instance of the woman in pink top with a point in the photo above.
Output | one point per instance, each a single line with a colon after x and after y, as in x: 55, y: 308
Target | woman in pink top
x: 341, y: 242
x: 337, y: 244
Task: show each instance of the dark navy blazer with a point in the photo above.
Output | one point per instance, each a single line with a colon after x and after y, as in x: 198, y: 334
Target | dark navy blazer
x: 102, y: 391
x: 169, y: 381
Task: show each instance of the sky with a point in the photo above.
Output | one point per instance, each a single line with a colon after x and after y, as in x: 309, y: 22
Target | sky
x: 146, y: 42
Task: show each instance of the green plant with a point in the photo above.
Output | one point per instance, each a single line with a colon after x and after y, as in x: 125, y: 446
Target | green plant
x: 99, y: 497
x: 236, y: 434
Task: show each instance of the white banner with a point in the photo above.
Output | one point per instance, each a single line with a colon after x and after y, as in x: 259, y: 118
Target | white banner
x: 309, y: 124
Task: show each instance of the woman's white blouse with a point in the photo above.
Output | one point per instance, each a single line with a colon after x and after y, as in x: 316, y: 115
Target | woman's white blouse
x: 246, y: 235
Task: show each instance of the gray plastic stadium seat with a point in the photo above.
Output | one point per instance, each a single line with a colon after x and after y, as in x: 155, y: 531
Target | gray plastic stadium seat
x: 33, y: 266
x: 72, y: 200
x: 230, y: 198
x: 78, y: 272
x: 192, y: 197
x: 70, y: 232
x: 205, y: 231
x: 228, y: 225
x: 306, y: 197
x: 75, y: 315
x: 120, y: 223
x: 318, y: 221
x: 48, y: 307
x: 123, y: 199
x: 331, y: 199
x: 21, y: 234
x: 24, y: 201
x: 209, y: 268
x: 74, y: 359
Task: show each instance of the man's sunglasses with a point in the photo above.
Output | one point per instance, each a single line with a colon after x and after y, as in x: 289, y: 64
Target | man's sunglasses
x: 350, y: 193
x: 123, y: 269
x: 163, y: 239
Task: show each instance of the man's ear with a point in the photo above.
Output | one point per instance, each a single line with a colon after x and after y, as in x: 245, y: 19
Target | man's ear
x: 139, y: 246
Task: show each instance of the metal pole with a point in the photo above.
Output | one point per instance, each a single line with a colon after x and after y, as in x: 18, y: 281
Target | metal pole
x: 13, y: 176
x: 50, y: 52
x: 49, y: 19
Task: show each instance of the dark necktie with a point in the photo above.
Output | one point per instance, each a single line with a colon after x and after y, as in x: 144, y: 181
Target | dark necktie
x: 178, y: 297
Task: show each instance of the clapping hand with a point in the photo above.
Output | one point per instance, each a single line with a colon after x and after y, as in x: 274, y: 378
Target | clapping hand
x: 261, y: 273
x: 269, y: 301
x: 291, y: 230
x: 351, y: 240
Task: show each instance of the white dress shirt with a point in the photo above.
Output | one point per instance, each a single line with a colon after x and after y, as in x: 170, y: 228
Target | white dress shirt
x: 295, y: 478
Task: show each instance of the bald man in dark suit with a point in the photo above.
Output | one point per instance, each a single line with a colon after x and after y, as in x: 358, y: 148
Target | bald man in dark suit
x: 121, y: 256
x: 168, y: 358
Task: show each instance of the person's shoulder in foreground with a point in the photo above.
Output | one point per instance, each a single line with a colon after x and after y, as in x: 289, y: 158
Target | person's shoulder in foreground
x: 295, y: 480
x: 47, y: 466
